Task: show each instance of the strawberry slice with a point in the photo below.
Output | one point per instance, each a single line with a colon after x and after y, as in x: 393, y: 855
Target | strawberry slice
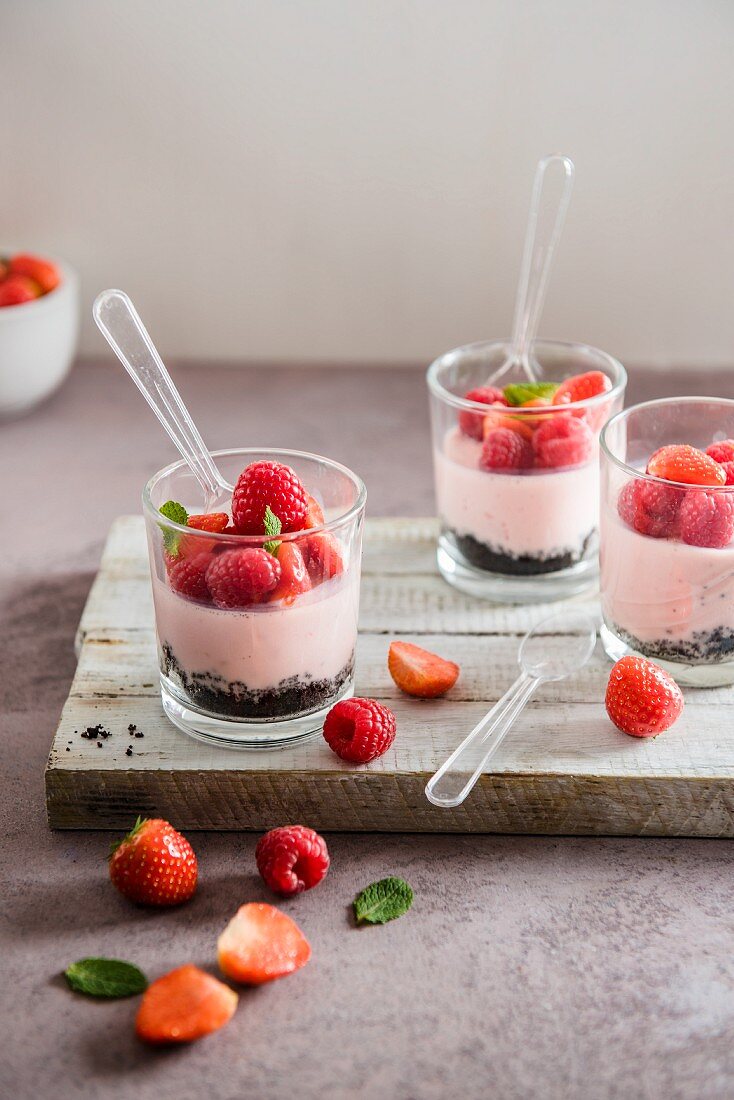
x: 261, y: 944
x: 314, y: 513
x: 215, y: 522
x: 512, y: 423
x: 43, y: 272
x: 686, y: 465
x: 294, y: 576
x: 184, y: 1005
x: 418, y: 672
x: 323, y: 556
x: 580, y: 387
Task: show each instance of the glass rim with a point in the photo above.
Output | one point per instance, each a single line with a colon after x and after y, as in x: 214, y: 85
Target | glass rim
x: 257, y: 540
x: 642, y: 475
x: 619, y: 379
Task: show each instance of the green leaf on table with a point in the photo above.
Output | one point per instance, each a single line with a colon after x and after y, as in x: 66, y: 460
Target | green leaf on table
x: 517, y: 393
x: 177, y: 514
x: 273, y: 527
x: 105, y: 978
x: 383, y: 901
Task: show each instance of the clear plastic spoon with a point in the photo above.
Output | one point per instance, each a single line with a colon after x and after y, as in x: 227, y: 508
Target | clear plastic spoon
x: 551, y: 195
x: 554, y: 649
x: 119, y: 323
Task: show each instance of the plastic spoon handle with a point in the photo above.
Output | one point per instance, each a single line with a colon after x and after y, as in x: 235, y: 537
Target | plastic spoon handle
x: 119, y: 323
x: 456, y: 777
x: 548, y: 206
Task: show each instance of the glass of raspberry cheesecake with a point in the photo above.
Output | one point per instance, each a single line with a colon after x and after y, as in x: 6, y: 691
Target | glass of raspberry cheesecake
x: 516, y: 468
x: 256, y: 604
x: 667, y: 537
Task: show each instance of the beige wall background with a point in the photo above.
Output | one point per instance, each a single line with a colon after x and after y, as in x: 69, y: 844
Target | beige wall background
x: 349, y: 179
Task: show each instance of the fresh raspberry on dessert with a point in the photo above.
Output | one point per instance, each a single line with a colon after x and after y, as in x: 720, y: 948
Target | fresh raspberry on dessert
x: 268, y: 484
x: 294, y: 576
x: 706, y: 518
x: 359, y: 730
x: 642, y: 700
x: 184, y: 1005
x: 17, y: 289
x: 686, y: 465
x: 580, y: 387
x: 493, y: 420
x: 187, y: 575
x: 43, y: 272
x: 721, y: 452
x: 291, y: 859
x: 562, y: 440
x: 650, y: 508
x: 471, y: 422
x: 215, y: 522
x: 323, y: 556
x: 728, y: 468
x: 314, y: 514
x: 154, y: 864
x: 238, y: 578
x: 504, y: 449
x: 261, y: 944
x: 418, y: 672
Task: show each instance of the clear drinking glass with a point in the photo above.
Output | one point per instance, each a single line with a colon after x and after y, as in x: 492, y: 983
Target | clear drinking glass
x: 519, y: 535
x: 667, y: 550
x: 265, y: 674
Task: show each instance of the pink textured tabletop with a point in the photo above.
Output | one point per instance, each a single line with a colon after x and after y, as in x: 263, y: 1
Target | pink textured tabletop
x: 528, y: 967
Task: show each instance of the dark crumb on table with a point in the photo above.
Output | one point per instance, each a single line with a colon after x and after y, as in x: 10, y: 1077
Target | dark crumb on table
x: 139, y: 733
x: 131, y: 728
x: 91, y: 733
x: 99, y: 744
x: 129, y: 750
x: 68, y: 749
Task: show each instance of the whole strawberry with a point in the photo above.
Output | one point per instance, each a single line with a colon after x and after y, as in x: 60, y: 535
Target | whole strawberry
x: 263, y: 485
x: 291, y: 859
x: 642, y: 700
x: 154, y: 864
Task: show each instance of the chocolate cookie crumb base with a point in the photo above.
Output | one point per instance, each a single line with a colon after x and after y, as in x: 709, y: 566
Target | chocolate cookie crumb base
x: 484, y: 556
x: 233, y: 699
x: 705, y: 647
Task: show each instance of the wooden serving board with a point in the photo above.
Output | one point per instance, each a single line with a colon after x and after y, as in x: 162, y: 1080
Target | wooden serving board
x: 565, y: 769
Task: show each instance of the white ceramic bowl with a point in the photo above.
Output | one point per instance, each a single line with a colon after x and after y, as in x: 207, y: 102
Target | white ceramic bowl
x: 37, y: 343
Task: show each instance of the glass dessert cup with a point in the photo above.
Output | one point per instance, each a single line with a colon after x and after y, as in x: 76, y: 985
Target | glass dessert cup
x: 667, y: 550
x: 266, y: 674
x: 523, y: 535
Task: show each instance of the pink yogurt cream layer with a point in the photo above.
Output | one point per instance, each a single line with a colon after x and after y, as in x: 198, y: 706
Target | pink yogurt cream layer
x: 660, y: 588
x: 313, y: 638
x: 540, y: 514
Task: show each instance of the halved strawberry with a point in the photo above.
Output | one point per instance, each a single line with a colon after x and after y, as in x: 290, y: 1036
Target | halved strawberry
x: 314, y: 514
x: 260, y: 944
x: 418, y: 672
x: 184, y: 1005
x: 43, y: 272
x: 294, y: 576
x: 686, y: 465
x: 580, y: 387
x: 503, y: 420
x: 215, y: 522
x: 17, y: 289
x: 323, y: 556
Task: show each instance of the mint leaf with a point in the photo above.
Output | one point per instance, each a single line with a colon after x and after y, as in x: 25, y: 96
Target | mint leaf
x: 273, y: 527
x: 383, y: 901
x: 177, y: 513
x: 105, y: 978
x: 517, y: 393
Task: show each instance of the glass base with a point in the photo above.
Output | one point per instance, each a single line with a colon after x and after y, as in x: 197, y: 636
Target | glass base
x: 506, y: 588
x: 715, y: 675
x: 244, y: 733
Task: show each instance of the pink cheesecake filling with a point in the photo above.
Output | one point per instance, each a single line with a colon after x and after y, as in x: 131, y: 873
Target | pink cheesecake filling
x: 311, y: 639
x: 538, y: 514
x: 663, y: 589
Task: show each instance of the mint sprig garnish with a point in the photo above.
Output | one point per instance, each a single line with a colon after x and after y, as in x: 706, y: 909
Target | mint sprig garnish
x: 273, y: 527
x: 517, y: 393
x: 177, y: 513
x: 105, y: 978
x: 383, y: 901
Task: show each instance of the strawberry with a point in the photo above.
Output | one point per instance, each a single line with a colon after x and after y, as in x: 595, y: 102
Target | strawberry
x: 580, y: 387
x: 721, y: 452
x: 271, y: 485
x: 187, y: 575
x: 562, y: 440
x: 506, y: 451
x: 512, y: 423
x: 261, y: 944
x: 43, y: 272
x: 359, y: 730
x: 641, y: 699
x: 471, y: 422
x: 323, y: 556
x: 154, y: 865
x: 314, y: 514
x: 17, y: 289
x: 650, y: 508
x: 686, y: 465
x: 294, y: 576
x: 214, y: 522
x: 184, y: 1005
x: 240, y: 578
x: 3, y: 269
x: 418, y: 672
x: 706, y: 518
x: 291, y: 859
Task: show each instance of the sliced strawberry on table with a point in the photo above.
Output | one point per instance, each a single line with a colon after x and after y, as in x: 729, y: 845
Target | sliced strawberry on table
x: 263, y: 485
x: 641, y: 698
x: 686, y: 465
x: 17, y: 289
x: 187, y: 574
x: 505, y: 451
x: 580, y: 387
x: 261, y: 944
x: 418, y: 672
x: 43, y: 272
x: 562, y: 440
x: 471, y: 422
x: 294, y: 576
x: 707, y: 518
x: 154, y: 864
x: 240, y: 578
x: 323, y: 554
x: 184, y: 1005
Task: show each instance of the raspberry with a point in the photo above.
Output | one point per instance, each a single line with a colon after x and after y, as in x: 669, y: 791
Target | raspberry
x: 323, y: 557
x: 471, y: 422
x: 272, y: 484
x: 292, y: 859
x: 187, y: 575
x: 562, y: 440
x: 214, y: 522
x: 504, y: 449
x: 650, y: 508
x: 728, y: 468
x: 580, y: 387
x: 721, y: 452
x: 707, y: 519
x: 641, y: 699
x: 359, y: 730
x: 239, y: 578
x: 686, y: 465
